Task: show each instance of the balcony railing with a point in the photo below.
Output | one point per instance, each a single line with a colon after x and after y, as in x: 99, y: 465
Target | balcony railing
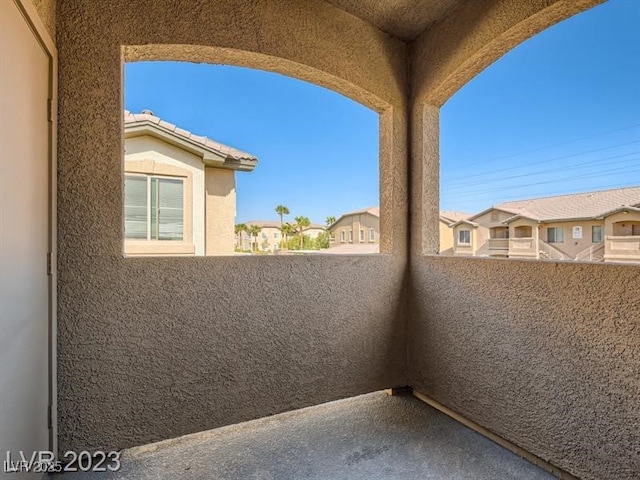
x: 622, y: 248
x: 522, y: 247
x: 498, y: 244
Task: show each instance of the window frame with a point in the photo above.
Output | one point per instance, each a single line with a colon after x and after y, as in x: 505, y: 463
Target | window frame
x: 460, y: 232
x: 149, y: 177
x: 555, y: 234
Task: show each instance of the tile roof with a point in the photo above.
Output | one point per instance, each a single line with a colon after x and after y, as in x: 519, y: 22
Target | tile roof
x: 452, y: 216
x: 573, y: 206
x: 375, y: 211
x: 147, y: 117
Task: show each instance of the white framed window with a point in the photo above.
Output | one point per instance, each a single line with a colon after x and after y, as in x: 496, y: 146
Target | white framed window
x: 342, y: 236
x: 555, y: 235
x: 372, y: 235
x: 362, y: 235
x: 264, y: 235
x: 464, y: 237
x: 596, y: 234
x: 153, y: 207
x: 276, y: 235
x: 350, y: 236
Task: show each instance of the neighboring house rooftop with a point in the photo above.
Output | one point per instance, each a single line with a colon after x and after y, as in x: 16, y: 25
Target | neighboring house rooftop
x: 375, y: 211
x: 213, y: 154
x: 588, y: 205
x: 450, y: 216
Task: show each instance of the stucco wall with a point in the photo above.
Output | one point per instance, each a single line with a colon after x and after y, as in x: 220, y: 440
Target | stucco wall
x: 151, y: 348
x: 47, y: 12
x: 220, y: 187
x: 545, y: 354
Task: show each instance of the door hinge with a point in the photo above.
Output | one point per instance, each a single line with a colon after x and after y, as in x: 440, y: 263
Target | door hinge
x: 48, y: 263
x: 49, y: 110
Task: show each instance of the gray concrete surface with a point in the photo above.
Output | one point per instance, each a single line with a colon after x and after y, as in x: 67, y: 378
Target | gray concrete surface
x: 371, y: 436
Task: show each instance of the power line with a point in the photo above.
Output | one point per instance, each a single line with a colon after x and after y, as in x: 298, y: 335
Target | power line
x: 453, y: 185
x: 562, y: 157
x: 566, y: 142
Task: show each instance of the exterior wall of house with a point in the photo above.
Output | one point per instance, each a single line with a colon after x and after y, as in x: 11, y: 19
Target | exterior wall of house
x: 620, y: 245
x: 209, y: 341
x: 572, y: 246
x: 541, y: 353
x: 220, y: 197
x: 353, y: 223
x: 149, y: 155
x: 464, y: 249
x: 446, y: 238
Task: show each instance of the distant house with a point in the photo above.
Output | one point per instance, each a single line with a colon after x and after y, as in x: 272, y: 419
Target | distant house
x: 447, y: 218
x: 360, y: 227
x: 179, y: 189
x: 270, y: 236
x: 594, y: 226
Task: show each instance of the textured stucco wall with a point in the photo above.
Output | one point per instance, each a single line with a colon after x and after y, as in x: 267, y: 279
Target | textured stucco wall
x: 545, y: 354
x: 151, y: 348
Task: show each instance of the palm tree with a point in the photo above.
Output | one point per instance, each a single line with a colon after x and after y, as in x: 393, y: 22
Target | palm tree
x: 330, y: 221
x: 299, y: 226
x: 254, y: 230
x: 282, y: 211
x: 239, y: 228
x: 287, y: 229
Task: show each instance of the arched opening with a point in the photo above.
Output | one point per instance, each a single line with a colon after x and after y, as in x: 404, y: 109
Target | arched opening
x: 550, y: 133
x: 301, y: 169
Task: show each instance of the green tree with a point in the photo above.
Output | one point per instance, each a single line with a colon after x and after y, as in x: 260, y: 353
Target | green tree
x: 254, y: 230
x: 322, y: 240
x: 330, y: 221
x: 239, y: 228
x: 299, y: 226
x: 287, y: 230
x: 282, y: 211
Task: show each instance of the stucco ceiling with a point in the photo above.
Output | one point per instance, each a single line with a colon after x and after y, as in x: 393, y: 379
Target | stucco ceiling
x: 405, y: 19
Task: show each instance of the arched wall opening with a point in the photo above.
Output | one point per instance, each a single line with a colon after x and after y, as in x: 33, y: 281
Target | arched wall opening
x: 318, y: 157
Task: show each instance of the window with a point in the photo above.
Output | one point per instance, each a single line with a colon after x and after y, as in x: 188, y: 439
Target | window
x: 372, y: 235
x: 275, y: 235
x: 342, y: 237
x: 555, y: 235
x: 154, y: 207
x: 464, y: 237
x: 264, y: 236
x: 350, y: 236
x: 361, y: 235
x: 596, y: 234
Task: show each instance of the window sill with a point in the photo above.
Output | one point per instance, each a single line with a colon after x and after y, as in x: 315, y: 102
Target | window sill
x: 160, y: 247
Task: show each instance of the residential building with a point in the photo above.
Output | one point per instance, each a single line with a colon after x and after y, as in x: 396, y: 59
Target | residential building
x: 101, y: 352
x: 447, y: 218
x: 179, y: 189
x: 358, y: 227
x: 270, y: 236
x: 592, y: 226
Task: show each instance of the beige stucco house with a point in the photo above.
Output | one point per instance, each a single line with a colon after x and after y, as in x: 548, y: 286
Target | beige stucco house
x: 179, y: 189
x: 357, y: 227
x: 270, y: 236
x: 593, y: 226
x: 446, y: 220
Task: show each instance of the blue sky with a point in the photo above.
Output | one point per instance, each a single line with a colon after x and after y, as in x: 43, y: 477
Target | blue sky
x: 558, y: 114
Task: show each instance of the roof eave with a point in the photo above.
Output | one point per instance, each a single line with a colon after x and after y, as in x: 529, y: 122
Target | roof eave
x: 211, y: 157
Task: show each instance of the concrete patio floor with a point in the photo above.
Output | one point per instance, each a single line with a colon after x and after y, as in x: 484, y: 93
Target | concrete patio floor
x: 373, y: 436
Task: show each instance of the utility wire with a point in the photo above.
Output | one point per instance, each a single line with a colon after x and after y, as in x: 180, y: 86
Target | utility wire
x: 566, y: 142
